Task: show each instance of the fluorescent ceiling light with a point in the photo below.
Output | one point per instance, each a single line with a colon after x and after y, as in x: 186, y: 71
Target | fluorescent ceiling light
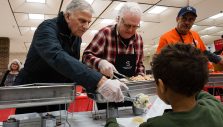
x: 119, y: 6
x: 204, y: 36
x: 209, y: 28
x: 216, y: 16
x: 157, y: 9
x: 89, y: 1
x: 33, y: 28
x: 141, y: 22
x: 36, y: 1
x: 83, y: 44
x: 36, y: 16
x: 94, y: 31
x: 107, y: 21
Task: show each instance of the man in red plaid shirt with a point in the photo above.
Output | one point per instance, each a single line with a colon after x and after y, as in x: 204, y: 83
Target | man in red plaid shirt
x: 118, y: 48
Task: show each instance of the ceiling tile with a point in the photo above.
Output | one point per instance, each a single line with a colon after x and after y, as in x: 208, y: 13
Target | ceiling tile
x: 23, y: 19
x: 99, y: 6
x: 50, y: 7
x: 146, y: 1
x: 112, y: 13
x: 179, y: 3
x: 98, y: 24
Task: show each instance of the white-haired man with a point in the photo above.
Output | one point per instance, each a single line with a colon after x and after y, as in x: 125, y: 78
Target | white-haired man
x: 118, y: 48
x: 55, y: 51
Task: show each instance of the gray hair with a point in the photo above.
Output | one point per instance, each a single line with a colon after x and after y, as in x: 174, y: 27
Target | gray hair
x: 80, y: 5
x: 131, y: 7
x: 15, y: 61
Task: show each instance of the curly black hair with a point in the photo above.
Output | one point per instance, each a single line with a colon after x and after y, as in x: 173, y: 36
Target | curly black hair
x: 182, y: 68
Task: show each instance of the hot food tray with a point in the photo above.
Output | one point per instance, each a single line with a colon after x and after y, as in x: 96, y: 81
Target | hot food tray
x: 136, y: 87
x: 37, y: 94
x: 146, y: 87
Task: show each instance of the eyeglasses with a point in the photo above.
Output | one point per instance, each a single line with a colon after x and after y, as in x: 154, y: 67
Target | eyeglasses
x: 128, y: 26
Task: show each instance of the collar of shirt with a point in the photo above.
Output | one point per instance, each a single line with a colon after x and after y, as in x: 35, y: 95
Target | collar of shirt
x: 119, y: 38
x: 62, y: 25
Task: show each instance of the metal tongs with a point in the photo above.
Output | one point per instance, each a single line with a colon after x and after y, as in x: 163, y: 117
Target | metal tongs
x: 127, y: 98
x: 138, y: 100
x: 119, y: 74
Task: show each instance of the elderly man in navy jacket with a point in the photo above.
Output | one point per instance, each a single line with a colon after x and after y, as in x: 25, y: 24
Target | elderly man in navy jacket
x: 55, y: 51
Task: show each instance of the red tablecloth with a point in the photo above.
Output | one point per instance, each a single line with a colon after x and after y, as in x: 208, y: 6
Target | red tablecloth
x: 81, y: 104
x: 5, y: 113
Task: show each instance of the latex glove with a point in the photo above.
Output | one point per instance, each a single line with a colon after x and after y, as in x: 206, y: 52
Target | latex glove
x: 106, y: 68
x: 111, y: 90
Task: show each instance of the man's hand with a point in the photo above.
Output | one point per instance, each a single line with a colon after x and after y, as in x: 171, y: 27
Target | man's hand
x: 111, y: 90
x: 106, y: 68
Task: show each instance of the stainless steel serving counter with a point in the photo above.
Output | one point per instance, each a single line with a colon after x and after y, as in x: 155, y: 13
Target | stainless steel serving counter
x: 86, y: 119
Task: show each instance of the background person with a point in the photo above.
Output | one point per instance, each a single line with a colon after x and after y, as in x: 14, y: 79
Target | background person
x: 10, y: 75
x: 182, y: 33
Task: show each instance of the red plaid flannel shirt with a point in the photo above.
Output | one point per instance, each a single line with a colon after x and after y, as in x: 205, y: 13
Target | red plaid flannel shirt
x: 103, y: 46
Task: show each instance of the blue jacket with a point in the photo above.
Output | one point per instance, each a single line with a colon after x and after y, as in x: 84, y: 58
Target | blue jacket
x: 54, y: 56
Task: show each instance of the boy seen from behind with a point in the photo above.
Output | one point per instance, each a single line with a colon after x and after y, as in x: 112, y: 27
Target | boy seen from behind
x: 180, y: 72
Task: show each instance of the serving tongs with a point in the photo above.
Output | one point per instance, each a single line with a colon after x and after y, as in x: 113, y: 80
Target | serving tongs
x: 137, y: 100
x: 121, y: 75
x: 127, y: 97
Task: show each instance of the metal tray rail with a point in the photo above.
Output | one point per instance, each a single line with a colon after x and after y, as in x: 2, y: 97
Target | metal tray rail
x: 220, y: 83
x: 38, y: 94
x: 215, y: 80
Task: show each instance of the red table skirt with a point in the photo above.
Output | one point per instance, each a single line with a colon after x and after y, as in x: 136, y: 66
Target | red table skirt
x: 81, y: 104
x: 5, y: 113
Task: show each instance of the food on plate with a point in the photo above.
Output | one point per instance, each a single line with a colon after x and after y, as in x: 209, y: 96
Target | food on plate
x: 141, y: 101
x: 148, y: 77
x: 138, y: 120
x: 142, y: 78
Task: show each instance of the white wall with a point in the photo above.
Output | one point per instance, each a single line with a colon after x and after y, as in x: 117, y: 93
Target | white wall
x: 20, y: 56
